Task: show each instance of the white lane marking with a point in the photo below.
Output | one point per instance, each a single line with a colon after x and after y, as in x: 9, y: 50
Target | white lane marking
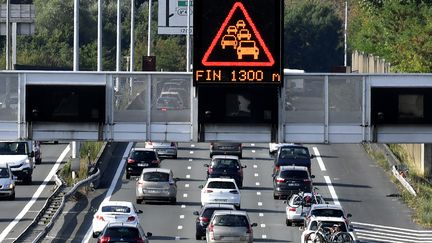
x: 262, y: 225
x: 185, y: 195
x: 255, y: 166
x: 396, y: 229
x: 108, y: 195
x: 253, y: 151
x: 186, y: 185
x: 181, y: 216
x: 191, y: 152
x: 183, y: 206
x: 252, y: 144
x: 257, y: 183
x: 258, y: 193
x: 177, y: 238
x: 260, y: 204
x: 192, y: 145
x: 256, y: 174
x: 264, y: 236
x: 189, y: 167
x: 332, y: 190
x: 319, y: 159
x: 180, y: 227
x: 35, y: 196
x: 187, y: 176
x: 261, y: 214
x: 190, y: 160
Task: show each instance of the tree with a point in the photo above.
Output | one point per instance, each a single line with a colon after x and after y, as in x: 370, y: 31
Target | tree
x: 312, y: 37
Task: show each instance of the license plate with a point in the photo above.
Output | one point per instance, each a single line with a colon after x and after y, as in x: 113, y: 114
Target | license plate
x: 142, y: 164
x: 225, y: 177
x: 220, y: 200
x: 293, y: 184
x: 153, y: 191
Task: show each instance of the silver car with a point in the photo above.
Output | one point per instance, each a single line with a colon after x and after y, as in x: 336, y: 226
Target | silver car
x: 229, y: 226
x: 163, y: 149
x: 156, y: 184
x: 7, y: 182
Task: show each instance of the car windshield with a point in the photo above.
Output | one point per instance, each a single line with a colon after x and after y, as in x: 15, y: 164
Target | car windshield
x: 221, y: 185
x: 247, y: 44
x: 122, y: 232
x: 156, y: 176
x: 294, y: 174
x: 143, y: 155
x: 13, y: 148
x: 293, y: 153
x: 115, y: 209
x: 224, y: 164
x: 230, y: 220
x: 327, y: 213
x: 4, y: 173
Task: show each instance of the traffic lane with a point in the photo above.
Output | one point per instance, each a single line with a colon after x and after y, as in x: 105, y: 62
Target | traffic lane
x: 363, y: 187
x: 10, y: 210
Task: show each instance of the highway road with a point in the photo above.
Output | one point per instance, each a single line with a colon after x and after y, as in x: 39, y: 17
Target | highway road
x: 344, y: 174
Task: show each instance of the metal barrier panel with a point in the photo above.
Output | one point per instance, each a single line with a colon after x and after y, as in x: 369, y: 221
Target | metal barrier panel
x: 9, y: 106
x: 303, y: 109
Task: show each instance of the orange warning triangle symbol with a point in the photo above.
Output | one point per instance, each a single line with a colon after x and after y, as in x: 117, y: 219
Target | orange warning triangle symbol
x: 246, y: 47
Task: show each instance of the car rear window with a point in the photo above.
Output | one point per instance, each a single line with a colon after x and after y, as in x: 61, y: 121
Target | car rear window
x: 116, y: 209
x: 294, y: 152
x: 327, y: 213
x: 4, y: 173
x: 122, y: 232
x: 224, y: 164
x: 142, y: 155
x: 231, y: 220
x: 221, y: 185
x: 294, y: 174
x: 155, y: 176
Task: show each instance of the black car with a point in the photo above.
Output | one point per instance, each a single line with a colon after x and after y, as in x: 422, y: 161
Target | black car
x: 291, y: 179
x: 122, y: 232
x: 226, y: 166
x: 204, y: 216
x: 293, y: 154
x: 226, y: 148
x: 140, y: 158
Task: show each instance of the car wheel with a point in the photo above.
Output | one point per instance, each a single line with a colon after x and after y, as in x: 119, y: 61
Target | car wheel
x: 139, y: 201
x: 95, y: 235
x: 38, y: 161
x: 198, y: 237
x: 288, y: 222
x: 127, y: 176
x: 12, y: 197
x: 173, y: 201
x: 27, y: 180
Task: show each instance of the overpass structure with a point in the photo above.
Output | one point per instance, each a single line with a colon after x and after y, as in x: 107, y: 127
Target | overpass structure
x: 164, y: 106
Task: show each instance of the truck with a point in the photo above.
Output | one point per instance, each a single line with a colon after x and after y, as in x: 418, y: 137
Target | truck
x: 19, y: 155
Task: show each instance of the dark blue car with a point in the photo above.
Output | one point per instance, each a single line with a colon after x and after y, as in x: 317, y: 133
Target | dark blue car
x: 293, y: 154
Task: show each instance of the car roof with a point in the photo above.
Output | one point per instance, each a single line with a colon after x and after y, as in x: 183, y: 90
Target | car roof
x: 220, y: 179
x: 143, y: 149
x: 326, y: 206
x: 293, y: 167
x: 218, y: 205
x: 234, y: 212
x: 287, y: 145
x: 117, y: 203
x: 225, y: 157
x: 163, y: 170
x: 331, y: 219
x: 125, y: 224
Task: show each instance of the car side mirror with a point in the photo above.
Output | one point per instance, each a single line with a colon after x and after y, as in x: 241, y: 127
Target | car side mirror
x: 206, y: 165
x: 149, y: 234
x: 312, y: 156
x: 14, y: 178
x: 254, y: 225
x: 200, y: 186
x: 140, y: 211
x: 96, y: 234
x: 195, y: 213
x: 312, y: 176
x: 244, y: 166
x: 349, y: 215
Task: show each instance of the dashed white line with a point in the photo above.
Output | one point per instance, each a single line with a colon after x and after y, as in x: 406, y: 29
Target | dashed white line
x: 261, y: 214
x: 257, y: 183
x: 180, y: 227
x: 260, y: 204
x: 185, y: 195
x: 188, y: 176
x: 191, y: 152
x: 252, y: 144
x: 258, y: 193
x: 177, y: 238
x: 264, y: 236
x: 190, y: 160
x: 262, y: 225
x: 186, y: 185
x: 319, y: 159
x: 181, y: 216
x: 189, y: 167
x: 256, y: 174
x: 255, y: 166
x: 332, y: 190
x: 253, y: 151
x: 192, y: 145
x: 183, y: 206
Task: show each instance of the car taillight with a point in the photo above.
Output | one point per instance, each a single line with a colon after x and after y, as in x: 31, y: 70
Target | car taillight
x: 131, y: 161
x: 292, y: 209
x: 307, y: 180
x: 208, y: 191
x: 139, y: 240
x: 278, y: 179
x: 234, y: 192
x: 210, y: 170
x: 211, y: 231
x: 131, y: 218
x: 99, y: 217
x: 105, y: 239
x: 204, y: 219
x: 249, y: 230
x: 156, y: 161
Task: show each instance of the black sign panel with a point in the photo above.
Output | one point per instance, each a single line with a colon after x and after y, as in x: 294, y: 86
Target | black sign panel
x: 238, y: 42
x: 65, y: 103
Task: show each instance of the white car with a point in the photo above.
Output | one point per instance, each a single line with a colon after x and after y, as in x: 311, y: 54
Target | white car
x: 220, y: 190
x: 114, y: 211
x: 299, y: 205
x: 328, y: 210
x: 310, y: 232
x: 163, y: 149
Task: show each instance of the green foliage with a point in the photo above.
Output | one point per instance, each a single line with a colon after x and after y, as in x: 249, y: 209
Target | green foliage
x: 312, y: 37
x: 398, y: 31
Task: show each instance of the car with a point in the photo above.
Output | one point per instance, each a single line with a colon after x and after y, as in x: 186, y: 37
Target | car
x: 298, y: 206
x: 291, y: 179
x: 243, y: 34
x: 230, y: 226
x: 226, y: 166
x: 156, y: 184
x: 240, y: 24
x: 292, y: 154
x: 140, y: 158
x: 163, y: 149
x: 232, y: 30
x: 229, y: 40
x: 168, y: 103
x: 247, y: 48
x: 220, y: 190
x: 19, y: 155
x: 7, y: 182
x: 328, y: 210
x: 123, y: 232
x: 324, y: 223
x: 114, y: 211
x: 204, y: 216
x: 172, y: 94
x: 226, y: 148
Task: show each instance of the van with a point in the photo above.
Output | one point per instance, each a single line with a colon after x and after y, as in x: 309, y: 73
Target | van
x: 19, y: 156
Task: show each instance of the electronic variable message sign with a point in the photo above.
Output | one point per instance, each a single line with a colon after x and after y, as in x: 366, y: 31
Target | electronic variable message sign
x: 238, y: 42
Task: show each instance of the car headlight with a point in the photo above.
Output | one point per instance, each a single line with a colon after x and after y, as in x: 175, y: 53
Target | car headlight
x: 9, y: 186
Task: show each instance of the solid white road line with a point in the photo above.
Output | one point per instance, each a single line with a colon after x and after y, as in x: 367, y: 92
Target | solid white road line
x: 319, y: 159
x: 35, y: 196
x: 111, y: 188
x: 332, y: 190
